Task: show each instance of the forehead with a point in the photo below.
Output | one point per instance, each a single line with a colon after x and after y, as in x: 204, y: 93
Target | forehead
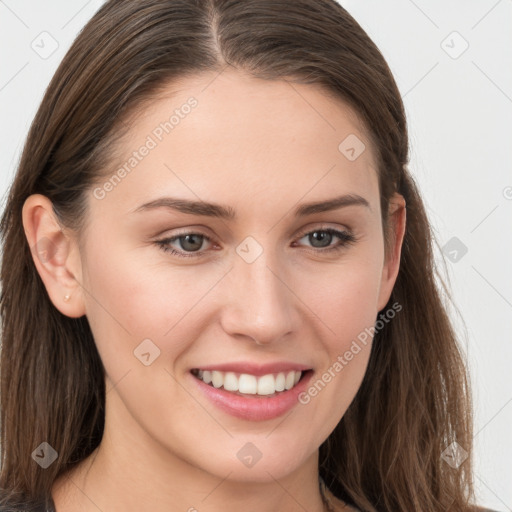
x: 211, y: 136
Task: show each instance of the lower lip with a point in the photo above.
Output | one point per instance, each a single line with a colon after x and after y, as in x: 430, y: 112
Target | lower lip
x: 254, y: 407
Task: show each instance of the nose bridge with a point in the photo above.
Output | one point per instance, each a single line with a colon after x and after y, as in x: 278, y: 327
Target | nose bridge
x: 258, y: 302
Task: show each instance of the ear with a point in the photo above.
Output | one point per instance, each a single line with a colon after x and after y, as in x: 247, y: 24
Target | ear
x: 397, y: 220
x: 56, y: 256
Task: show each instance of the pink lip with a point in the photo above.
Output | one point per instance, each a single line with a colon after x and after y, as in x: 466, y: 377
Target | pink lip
x: 256, y: 369
x: 254, y: 407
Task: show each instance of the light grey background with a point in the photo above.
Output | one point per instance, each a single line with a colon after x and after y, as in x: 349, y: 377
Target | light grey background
x: 459, y: 107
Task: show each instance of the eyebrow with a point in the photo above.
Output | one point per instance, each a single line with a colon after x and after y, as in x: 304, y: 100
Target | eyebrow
x: 226, y: 212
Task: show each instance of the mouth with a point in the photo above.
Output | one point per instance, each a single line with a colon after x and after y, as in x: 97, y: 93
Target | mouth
x: 249, y: 385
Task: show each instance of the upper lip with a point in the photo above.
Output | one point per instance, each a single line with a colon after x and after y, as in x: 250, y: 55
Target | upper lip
x: 256, y: 369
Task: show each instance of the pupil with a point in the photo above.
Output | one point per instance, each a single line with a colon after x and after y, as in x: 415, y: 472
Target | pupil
x: 322, y: 236
x: 186, y: 240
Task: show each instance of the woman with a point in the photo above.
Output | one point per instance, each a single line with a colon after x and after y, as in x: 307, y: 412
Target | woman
x: 212, y: 294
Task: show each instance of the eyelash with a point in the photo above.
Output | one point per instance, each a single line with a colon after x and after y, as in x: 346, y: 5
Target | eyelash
x: 345, y: 237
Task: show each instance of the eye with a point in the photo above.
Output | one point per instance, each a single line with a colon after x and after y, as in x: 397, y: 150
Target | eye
x: 190, y: 244
x: 321, y: 239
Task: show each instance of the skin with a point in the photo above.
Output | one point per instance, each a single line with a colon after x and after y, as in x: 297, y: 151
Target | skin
x: 263, y: 148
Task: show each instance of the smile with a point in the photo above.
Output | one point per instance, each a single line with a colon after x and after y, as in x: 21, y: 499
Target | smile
x: 248, y: 384
x: 252, y: 391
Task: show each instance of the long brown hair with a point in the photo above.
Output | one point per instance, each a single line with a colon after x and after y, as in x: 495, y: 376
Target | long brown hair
x: 386, y: 452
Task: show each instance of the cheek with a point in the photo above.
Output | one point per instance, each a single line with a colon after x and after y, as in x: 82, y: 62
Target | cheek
x: 131, y: 299
x: 344, y: 297
x: 346, y: 304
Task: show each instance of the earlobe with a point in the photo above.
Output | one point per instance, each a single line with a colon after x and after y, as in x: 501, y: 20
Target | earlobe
x: 55, y: 256
x: 397, y: 223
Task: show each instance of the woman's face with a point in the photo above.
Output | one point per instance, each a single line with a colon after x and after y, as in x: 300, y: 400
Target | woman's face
x: 262, y: 288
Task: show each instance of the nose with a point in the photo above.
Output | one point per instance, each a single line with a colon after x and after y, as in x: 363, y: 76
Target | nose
x: 258, y: 302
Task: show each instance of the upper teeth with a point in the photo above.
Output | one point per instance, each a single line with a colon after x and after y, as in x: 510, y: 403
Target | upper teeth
x: 250, y: 384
